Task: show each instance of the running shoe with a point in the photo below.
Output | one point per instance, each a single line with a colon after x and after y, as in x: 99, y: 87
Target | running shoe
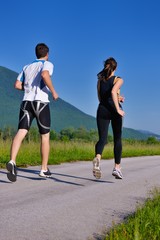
x: 117, y: 173
x: 96, y: 168
x: 45, y: 174
x: 12, y: 171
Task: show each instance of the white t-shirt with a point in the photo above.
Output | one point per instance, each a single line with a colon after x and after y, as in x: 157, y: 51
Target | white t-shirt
x: 34, y: 86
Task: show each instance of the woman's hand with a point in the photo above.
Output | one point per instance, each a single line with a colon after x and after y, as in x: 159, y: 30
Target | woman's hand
x: 121, y: 112
x: 121, y: 99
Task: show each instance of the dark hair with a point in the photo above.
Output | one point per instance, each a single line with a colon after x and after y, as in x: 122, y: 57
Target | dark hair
x: 109, y: 66
x: 41, y: 50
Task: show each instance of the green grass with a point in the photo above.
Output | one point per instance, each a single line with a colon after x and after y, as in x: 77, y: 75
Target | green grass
x: 60, y: 152
x: 140, y: 149
x: 144, y: 224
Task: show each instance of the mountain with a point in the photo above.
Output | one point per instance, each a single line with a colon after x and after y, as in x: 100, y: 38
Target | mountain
x: 150, y: 134
x: 138, y: 134
x: 63, y: 114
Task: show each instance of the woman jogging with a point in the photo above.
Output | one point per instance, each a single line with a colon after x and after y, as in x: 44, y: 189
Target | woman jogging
x: 109, y: 110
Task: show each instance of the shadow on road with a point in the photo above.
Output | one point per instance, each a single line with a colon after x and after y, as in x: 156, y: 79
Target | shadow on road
x: 77, y: 177
x: 2, y: 181
x: 53, y: 177
x: 64, y: 175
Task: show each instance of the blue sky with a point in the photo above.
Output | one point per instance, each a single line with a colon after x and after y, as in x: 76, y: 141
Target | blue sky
x: 81, y: 34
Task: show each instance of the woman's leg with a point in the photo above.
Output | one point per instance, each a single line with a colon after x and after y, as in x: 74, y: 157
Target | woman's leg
x: 102, y: 124
x: 117, y: 134
x: 103, y: 121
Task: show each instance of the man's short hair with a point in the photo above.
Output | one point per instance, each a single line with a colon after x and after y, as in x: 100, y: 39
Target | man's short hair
x: 41, y: 50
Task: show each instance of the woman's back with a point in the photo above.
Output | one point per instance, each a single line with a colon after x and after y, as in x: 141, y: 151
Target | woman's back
x: 104, y: 92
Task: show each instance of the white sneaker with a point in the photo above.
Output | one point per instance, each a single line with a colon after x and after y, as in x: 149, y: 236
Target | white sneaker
x: 45, y: 174
x: 117, y: 173
x: 96, y: 168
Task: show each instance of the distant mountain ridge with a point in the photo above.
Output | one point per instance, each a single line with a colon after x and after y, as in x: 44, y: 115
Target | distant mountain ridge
x: 63, y: 114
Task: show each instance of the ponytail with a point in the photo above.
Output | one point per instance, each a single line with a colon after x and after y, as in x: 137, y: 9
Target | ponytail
x: 109, y: 66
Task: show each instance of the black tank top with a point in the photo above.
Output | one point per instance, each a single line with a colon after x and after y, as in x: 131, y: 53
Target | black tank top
x: 105, y: 93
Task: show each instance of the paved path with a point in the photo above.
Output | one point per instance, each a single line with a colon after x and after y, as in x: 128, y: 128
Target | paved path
x: 72, y: 205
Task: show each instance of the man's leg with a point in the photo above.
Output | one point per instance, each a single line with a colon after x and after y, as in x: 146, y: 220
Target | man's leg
x: 45, y: 148
x: 11, y: 165
x: 17, y: 143
x: 42, y: 112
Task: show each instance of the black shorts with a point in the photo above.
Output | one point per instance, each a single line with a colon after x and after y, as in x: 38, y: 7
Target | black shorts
x: 35, y: 109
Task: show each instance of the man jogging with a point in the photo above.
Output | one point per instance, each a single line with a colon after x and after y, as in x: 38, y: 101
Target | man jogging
x: 35, y: 80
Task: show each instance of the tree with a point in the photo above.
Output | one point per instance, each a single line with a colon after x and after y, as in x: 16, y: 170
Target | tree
x: 53, y: 135
x: 67, y: 134
x: 152, y: 140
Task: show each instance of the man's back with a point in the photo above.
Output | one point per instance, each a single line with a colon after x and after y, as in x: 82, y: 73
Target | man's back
x: 34, y: 87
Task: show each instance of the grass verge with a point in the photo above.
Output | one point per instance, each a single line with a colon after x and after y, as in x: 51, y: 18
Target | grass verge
x: 29, y: 154
x: 144, y: 224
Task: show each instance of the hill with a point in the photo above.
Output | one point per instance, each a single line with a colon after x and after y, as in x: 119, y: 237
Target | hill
x: 63, y: 114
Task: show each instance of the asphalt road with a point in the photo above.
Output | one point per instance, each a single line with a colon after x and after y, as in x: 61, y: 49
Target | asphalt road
x: 72, y: 205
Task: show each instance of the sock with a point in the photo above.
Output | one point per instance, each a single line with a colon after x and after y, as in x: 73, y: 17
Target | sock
x: 12, y: 162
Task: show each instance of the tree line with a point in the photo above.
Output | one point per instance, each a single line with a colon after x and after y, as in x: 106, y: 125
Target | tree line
x: 68, y: 134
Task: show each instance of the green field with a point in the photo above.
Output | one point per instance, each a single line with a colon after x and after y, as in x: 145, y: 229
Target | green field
x: 60, y: 151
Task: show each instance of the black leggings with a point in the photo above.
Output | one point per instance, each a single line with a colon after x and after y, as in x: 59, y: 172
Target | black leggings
x: 104, y: 116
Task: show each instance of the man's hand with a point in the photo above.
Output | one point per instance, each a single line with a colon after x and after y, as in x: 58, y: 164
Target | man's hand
x: 54, y: 95
x: 18, y: 85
